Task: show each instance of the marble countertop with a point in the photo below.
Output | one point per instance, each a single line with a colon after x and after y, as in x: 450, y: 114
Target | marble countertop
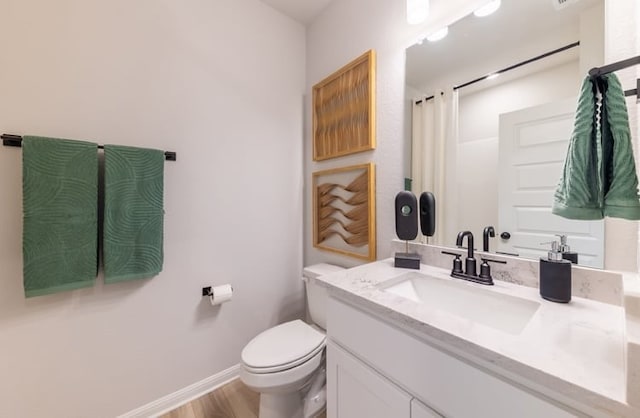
x: 575, y: 351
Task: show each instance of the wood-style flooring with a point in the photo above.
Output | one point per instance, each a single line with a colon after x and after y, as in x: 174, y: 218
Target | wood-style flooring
x: 233, y: 400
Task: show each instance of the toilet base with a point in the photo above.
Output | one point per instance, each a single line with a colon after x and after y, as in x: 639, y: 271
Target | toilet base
x: 281, y: 405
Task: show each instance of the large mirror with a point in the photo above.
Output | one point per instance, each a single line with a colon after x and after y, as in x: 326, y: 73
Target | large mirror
x: 500, y: 166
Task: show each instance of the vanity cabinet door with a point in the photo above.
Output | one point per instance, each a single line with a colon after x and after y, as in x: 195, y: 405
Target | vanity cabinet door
x: 354, y: 390
x: 420, y: 410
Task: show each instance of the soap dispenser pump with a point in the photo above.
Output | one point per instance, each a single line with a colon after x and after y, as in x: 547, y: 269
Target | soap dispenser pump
x: 555, y: 276
x: 567, y: 254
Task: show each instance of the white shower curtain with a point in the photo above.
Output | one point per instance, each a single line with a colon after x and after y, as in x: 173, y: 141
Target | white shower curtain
x: 433, y: 159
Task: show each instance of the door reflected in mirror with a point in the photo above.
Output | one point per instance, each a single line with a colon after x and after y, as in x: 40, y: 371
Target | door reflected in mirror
x: 512, y: 130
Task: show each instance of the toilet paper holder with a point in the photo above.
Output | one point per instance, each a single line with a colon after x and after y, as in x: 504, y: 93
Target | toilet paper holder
x: 208, y: 291
x: 218, y: 294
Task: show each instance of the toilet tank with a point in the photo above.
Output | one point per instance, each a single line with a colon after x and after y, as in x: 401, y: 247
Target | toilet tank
x: 317, y: 297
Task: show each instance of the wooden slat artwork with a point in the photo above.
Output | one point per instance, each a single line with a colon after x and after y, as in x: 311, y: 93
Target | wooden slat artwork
x: 344, y: 110
x: 344, y: 211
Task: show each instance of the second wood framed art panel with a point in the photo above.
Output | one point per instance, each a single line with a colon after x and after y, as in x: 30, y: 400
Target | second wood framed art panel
x: 344, y: 117
x: 344, y: 216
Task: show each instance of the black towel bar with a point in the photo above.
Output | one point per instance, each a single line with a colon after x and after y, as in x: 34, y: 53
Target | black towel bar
x: 609, y: 68
x: 9, y: 140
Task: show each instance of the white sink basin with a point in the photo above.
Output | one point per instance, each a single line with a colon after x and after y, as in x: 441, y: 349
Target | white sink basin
x: 472, y: 302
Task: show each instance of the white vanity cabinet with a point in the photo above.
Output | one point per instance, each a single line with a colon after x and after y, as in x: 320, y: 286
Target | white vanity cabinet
x: 356, y: 390
x: 375, y: 369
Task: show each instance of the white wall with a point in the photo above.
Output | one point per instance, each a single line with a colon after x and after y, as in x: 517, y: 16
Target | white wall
x: 219, y: 82
x: 345, y: 30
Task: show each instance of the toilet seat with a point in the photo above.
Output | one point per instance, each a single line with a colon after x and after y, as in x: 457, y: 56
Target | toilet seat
x: 282, y: 347
x: 292, y: 379
x: 283, y: 367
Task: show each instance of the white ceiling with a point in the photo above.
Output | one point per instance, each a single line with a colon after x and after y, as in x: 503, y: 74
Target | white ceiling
x: 304, y: 11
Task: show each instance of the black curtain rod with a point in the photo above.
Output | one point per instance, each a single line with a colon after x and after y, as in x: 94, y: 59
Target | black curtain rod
x: 512, y: 67
x: 16, y: 141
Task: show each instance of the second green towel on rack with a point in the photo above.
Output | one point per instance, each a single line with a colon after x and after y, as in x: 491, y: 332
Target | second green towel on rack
x: 133, y: 213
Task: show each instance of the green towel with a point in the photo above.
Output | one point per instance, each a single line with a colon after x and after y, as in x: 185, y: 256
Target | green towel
x: 60, y: 204
x: 578, y: 193
x: 599, y: 175
x: 619, y: 167
x: 133, y: 213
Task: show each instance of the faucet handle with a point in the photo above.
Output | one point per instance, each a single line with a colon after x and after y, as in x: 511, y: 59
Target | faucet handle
x: 488, y: 260
x: 485, y: 268
x: 457, y: 262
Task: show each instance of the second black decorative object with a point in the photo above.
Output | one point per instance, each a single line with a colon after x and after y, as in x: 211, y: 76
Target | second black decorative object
x: 427, y: 214
x: 406, y: 211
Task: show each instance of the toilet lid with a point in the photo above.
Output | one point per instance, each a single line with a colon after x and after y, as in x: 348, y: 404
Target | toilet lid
x: 283, y: 346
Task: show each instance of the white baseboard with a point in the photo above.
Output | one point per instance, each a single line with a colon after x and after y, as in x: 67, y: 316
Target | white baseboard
x: 184, y: 395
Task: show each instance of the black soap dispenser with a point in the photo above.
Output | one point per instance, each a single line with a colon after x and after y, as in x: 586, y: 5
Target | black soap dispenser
x: 567, y: 254
x: 555, y: 276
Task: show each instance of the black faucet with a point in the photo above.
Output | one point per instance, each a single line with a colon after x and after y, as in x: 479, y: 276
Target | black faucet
x: 469, y: 272
x: 470, y: 262
x: 488, y: 232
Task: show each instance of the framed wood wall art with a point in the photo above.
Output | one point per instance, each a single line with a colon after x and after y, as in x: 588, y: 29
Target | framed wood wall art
x: 344, y: 216
x: 344, y: 117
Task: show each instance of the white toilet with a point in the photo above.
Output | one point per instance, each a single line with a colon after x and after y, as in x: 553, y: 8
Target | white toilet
x: 285, y: 364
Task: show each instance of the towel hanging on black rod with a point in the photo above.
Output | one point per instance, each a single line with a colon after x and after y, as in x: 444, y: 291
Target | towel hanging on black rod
x: 609, y: 68
x: 9, y: 140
